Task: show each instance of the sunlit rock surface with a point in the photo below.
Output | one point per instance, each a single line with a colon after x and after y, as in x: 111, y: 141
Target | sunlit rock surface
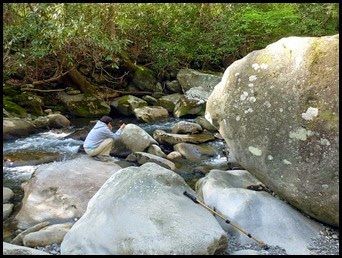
x: 277, y: 109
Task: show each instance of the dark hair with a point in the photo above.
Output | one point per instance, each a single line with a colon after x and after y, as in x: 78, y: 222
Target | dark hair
x: 106, y: 119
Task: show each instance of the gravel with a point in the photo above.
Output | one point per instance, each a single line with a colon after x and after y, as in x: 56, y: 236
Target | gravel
x: 326, y: 244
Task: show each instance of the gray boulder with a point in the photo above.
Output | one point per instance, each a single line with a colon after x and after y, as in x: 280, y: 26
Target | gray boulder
x: 129, y: 212
x: 143, y: 157
x: 61, y: 190
x: 265, y: 217
x: 84, y: 105
x: 128, y: 143
x: 7, y: 209
x: 48, y: 235
x: 174, y: 86
x: 156, y: 150
x: 7, y: 194
x: 188, y: 106
x: 125, y: 105
x: 289, y: 93
x: 169, y: 101
x: 150, y: 114
x: 195, y: 152
x: 171, y: 138
x: 9, y: 249
x: 186, y: 127
x: 15, y: 127
x: 58, y: 121
x: 189, y: 78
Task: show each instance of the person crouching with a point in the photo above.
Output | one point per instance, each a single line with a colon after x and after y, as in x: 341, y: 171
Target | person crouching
x: 100, y: 139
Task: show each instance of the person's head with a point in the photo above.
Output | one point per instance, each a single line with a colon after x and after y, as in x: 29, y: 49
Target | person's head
x: 107, y: 120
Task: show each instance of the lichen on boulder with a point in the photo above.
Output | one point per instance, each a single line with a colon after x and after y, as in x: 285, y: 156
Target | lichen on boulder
x: 277, y: 109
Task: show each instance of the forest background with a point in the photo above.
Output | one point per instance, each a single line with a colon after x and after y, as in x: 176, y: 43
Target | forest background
x: 42, y: 42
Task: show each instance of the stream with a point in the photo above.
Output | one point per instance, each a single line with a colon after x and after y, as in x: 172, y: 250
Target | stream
x: 53, y: 143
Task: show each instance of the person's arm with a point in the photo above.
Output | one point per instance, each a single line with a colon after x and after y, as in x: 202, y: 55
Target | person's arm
x: 115, y: 135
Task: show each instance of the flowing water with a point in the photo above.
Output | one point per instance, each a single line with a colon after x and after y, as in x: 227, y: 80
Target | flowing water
x: 53, y: 142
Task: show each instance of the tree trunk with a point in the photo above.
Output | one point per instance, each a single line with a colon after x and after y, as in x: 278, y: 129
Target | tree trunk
x: 77, y: 79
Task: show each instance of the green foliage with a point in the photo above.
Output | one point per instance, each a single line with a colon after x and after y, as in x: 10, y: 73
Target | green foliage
x: 44, y: 38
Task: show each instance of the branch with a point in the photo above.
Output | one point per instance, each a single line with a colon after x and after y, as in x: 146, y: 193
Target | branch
x: 53, y: 78
x: 29, y: 89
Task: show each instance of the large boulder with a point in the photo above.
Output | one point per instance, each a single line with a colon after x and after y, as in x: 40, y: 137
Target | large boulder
x: 132, y: 139
x: 277, y: 109
x: 142, y: 210
x: 84, y: 105
x: 14, y: 127
x: 189, y: 78
x: 60, y: 191
x: 125, y: 105
x: 265, y: 217
x: 151, y: 114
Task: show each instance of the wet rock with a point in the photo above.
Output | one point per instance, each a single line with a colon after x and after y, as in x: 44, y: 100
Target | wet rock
x: 16, y: 127
x: 18, y: 240
x: 169, y: 101
x: 174, y: 155
x: 156, y: 150
x: 58, y: 121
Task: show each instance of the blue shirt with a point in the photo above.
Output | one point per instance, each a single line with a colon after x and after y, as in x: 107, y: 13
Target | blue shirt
x: 98, y: 134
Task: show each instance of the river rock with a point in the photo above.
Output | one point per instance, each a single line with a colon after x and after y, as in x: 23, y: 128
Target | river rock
x: 194, y: 152
x: 9, y: 249
x: 186, y: 127
x: 289, y: 93
x: 58, y: 121
x: 7, y: 194
x: 189, y: 78
x: 141, y: 195
x: 150, y: 100
x: 170, y: 138
x: 48, y: 235
x: 174, y: 155
x: 7, y: 209
x: 61, y: 190
x: 18, y: 240
x: 169, y: 101
x: 15, y: 127
x: 132, y: 139
x: 188, y: 106
x: 83, y: 105
x: 156, y: 150
x: 150, y: 114
x: 143, y: 157
x: 204, y: 123
x: 174, y: 86
x: 125, y: 105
